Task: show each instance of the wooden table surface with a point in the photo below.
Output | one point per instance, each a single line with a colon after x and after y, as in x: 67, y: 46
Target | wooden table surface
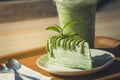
x: 29, y: 57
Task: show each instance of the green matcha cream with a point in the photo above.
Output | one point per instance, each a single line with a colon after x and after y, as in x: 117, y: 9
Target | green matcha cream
x: 82, y: 13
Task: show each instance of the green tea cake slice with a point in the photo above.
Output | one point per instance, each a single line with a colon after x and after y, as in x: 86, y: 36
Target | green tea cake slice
x: 69, y: 51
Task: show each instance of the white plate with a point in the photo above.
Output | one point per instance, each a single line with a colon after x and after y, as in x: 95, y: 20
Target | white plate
x: 101, y: 59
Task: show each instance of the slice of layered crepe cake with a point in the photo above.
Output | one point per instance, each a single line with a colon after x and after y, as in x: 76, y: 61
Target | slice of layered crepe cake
x: 69, y: 51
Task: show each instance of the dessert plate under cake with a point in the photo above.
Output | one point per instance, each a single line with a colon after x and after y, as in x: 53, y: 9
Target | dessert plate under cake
x: 100, y: 60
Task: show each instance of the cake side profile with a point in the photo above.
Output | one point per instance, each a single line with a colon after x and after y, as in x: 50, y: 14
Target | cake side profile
x: 69, y: 51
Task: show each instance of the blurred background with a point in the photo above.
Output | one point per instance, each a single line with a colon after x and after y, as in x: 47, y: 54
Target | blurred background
x: 23, y: 23
x: 13, y: 10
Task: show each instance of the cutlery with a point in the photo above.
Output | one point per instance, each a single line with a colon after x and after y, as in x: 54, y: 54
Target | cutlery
x: 3, y: 68
x: 14, y: 65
